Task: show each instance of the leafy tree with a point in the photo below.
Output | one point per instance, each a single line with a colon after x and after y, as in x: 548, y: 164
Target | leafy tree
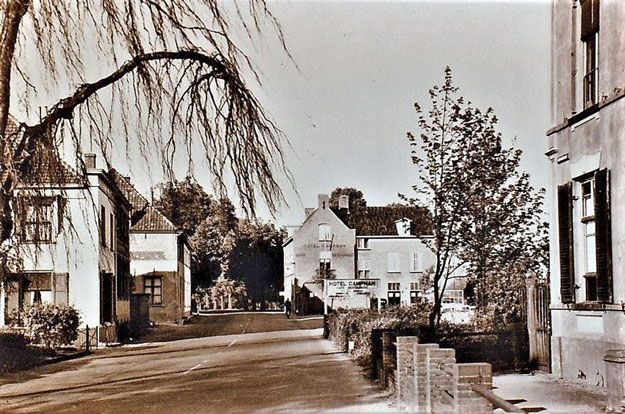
x: 356, y: 198
x: 212, y: 243
x: 184, y: 203
x: 485, y: 215
x: 256, y: 260
x: 166, y: 78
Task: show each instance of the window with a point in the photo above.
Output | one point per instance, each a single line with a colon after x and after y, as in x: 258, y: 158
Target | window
x: 393, y: 262
x: 394, y: 294
x: 416, y: 262
x: 37, y: 224
x: 364, y: 269
x: 590, y: 38
x: 325, y: 232
x: 103, y: 225
x: 111, y: 224
x: 153, y: 285
x: 362, y: 243
x: 325, y: 265
x: 590, y: 243
x: 414, y: 292
x: 585, y: 246
x: 452, y: 296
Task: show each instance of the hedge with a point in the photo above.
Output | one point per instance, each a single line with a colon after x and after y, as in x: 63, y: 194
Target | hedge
x: 48, y: 324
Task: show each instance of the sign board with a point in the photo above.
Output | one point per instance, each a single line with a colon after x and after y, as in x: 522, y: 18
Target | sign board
x: 337, y: 288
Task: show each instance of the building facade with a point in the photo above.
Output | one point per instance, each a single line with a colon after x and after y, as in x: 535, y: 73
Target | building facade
x: 161, y: 266
x: 96, y: 280
x: 384, y: 244
x: 586, y: 147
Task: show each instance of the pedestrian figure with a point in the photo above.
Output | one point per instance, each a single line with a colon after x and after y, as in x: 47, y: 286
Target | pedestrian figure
x: 287, y: 308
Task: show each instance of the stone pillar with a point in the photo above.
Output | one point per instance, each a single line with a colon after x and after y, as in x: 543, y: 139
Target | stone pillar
x: 615, y: 380
x: 466, y: 401
x: 437, y: 379
x: 388, y: 359
x: 405, y: 370
x: 419, y: 356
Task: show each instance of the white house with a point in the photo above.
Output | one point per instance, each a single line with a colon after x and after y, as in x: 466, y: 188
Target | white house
x: 73, y: 243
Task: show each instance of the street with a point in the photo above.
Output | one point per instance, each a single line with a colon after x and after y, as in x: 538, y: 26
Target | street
x: 259, y: 372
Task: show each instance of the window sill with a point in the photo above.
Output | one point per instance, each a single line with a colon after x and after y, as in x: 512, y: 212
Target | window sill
x: 157, y: 305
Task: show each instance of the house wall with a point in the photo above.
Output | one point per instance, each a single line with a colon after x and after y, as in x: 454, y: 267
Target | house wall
x: 377, y: 253
x: 76, y: 249
x: 596, y: 141
x: 170, y: 310
x: 156, y: 254
x: 308, y: 250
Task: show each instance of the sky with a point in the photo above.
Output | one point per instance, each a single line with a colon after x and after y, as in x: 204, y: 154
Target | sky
x: 345, y: 100
x: 361, y: 66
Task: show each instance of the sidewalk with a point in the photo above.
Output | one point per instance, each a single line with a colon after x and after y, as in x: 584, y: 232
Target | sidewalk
x: 544, y: 393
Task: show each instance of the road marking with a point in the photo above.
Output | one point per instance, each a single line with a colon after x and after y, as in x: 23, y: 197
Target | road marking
x: 232, y: 343
x: 189, y: 370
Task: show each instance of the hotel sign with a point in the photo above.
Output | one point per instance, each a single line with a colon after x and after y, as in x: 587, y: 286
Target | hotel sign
x: 335, y: 288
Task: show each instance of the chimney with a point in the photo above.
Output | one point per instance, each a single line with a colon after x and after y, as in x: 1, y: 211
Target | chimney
x: 324, y: 201
x: 89, y: 161
x: 344, y: 202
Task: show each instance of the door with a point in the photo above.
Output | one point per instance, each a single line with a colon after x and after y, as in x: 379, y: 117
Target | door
x: 106, y: 297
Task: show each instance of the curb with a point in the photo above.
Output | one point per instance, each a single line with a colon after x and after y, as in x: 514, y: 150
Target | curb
x: 67, y: 357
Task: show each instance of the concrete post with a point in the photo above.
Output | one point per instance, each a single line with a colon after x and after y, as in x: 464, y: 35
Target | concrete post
x: 615, y: 380
x: 388, y: 359
x: 437, y: 379
x: 419, y: 356
x: 405, y: 370
x: 466, y: 401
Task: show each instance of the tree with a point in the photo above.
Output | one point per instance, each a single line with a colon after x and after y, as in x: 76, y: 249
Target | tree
x: 356, y: 198
x: 256, y: 260
x: 184, y: 203
x: 167, y: 77
x: 485, y: 215
x: 212, y: 243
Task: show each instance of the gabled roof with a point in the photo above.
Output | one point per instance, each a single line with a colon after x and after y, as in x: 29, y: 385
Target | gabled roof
x: 137, y: 201
x: 45, y: 166
x: 380, y: 221
x: 153, y: 221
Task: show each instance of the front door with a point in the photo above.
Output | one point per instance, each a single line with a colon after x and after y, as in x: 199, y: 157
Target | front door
x: 106, y: 297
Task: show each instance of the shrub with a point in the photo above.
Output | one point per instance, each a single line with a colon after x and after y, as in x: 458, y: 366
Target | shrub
x: 47, y: 324
x: 12, y: 339
x: 358, y: 324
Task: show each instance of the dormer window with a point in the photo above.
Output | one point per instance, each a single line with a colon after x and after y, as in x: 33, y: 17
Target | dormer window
x: 403, y: 226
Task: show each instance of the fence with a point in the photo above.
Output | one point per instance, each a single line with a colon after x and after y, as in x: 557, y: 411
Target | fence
x: 429, y: 380
x: 92, y: 338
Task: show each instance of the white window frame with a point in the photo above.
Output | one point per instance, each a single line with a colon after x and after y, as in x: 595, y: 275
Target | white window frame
x: 325, y: 232
x: 416, y: 262
x: 362, y: 243
x: 393, y: 262
x: 364, y: 268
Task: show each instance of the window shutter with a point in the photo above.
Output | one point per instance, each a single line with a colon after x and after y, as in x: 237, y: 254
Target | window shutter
x: 590, y: 17
x: 565, y: 229
x: 603, y: 236
x: 60, y: 288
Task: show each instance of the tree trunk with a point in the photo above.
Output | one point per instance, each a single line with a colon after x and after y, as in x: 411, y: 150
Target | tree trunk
x: 2, y: 296
x: 221, y: 301
x: 14, y: 11
x: 229, y: 301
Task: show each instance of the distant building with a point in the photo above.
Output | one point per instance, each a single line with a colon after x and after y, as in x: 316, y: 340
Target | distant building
x: 84, y: 261
x: 161, y: 259
x: 382, y: 244
x: 586, y: 147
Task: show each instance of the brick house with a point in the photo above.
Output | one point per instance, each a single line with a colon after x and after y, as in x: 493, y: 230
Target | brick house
x: 161, y: 266
x: 384, y: 244
x: 585, y: 148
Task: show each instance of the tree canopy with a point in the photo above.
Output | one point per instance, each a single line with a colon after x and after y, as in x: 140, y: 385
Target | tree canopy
x: 487, y: 218
x: 164, y: 77
x: 356, y: 198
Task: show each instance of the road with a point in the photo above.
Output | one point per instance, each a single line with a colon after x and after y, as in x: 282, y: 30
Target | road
x: 272, y: 372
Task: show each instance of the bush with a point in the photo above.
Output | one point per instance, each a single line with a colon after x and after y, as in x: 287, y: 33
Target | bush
x: 358, y: 324
x: 12, y: 339
x: 47, y: 324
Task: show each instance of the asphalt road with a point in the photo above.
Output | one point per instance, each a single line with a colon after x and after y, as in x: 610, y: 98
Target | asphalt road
x: 273, y: 372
